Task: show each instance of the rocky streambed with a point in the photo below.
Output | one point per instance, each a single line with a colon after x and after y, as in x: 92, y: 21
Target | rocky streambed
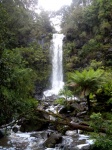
x: 29, y: 135
x: 40, y: 141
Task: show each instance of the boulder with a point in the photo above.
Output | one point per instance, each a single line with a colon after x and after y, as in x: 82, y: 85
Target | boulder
x: 63, y: 110
x: 66, y: 109
x: 52, y: 140
x: 35, y: 123
x: 15, y: 129
x: 1, y: 134
x: 78, y: 107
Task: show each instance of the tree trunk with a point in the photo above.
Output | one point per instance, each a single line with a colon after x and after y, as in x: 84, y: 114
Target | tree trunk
x: 88, y: 103
x: 63, y: 121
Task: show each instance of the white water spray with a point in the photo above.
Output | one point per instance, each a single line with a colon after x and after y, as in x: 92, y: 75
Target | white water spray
x: 57, y: 65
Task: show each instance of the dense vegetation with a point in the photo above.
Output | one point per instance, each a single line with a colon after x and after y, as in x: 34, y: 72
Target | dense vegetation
x: 88, y: 30
x: 87, y: 26
x: 25, y: 67
x: 24, y: 56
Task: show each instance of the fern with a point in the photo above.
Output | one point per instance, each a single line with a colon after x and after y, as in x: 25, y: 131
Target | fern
x: 87, y: 79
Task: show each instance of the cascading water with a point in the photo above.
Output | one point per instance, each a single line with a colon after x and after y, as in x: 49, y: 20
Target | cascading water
x: 36, y: 140
x: 57, y: 71
x: 57, y: 65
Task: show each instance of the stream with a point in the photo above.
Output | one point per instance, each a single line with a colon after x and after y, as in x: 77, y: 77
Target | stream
x: 34, y: 141
x: 71, y: 140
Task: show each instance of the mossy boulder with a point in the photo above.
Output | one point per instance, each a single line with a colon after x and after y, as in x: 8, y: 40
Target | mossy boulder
x: 34, y: 123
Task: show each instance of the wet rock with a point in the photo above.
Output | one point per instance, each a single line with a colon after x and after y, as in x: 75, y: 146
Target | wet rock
x: 87, y: 147
x: 15, y: 129
x: 84, y: 105
x: 84, y: 147
x: 83, y: 100
x: 78, y: 107
x: 63, y: 110
x: 72, y: 133
x: 41, y: 134
x: 52, y: 140
x: 75, y: 119
x: 67, y: 109
x: 46, y: 116
x: 50, y: 98
x: 81, y: 113
x: 1, y: 134
x: 35, y: 123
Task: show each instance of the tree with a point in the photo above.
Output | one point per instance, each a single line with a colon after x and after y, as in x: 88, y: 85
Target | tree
x: 17, y: 85
x: 20, y: 26
x: 24, y: 45
x: 89, y: 28
x: 20, y: 70
x: 86, y: 82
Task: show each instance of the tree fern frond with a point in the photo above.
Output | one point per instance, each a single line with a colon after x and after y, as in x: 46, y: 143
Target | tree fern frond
x: 87, y: 79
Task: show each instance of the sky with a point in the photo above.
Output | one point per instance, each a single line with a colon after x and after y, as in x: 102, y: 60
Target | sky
x: 53, y: 5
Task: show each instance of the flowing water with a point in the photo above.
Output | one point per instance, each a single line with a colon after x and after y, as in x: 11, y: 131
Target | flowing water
x: 34, y: 140
x: 57, y: 65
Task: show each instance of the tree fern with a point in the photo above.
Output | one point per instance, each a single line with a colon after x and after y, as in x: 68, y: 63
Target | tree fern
x: 86, y: 81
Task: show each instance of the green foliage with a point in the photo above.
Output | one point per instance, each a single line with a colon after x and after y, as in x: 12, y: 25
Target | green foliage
x: 105, y: 25
x: 88, y: 26
x: 102, y: 141
x: 91, y: 46
x: 97, y: 121
x: 3, y: 28
x: 107, y: 115
x: 109, y: 101
x: 20, y: 26
x: 107, y: 87
x: 17, y: 84
x: 23, y: 62
x: 104, y: 93
x: 96, y: 64
x: 66, y: 93
x: 60, y: 101
x: 21, y: 69
x: 37, y: 59
x: 87, y: 80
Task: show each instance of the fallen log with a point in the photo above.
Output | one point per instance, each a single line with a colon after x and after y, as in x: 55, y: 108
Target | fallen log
x: 72, y: 125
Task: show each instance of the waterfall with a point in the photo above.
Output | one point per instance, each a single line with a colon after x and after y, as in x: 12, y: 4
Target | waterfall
x: 57, y: 71
x: 57, y: 65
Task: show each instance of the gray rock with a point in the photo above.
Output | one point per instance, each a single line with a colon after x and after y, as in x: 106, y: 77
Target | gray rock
x: 52, y: 140
x: 78, y: 107
x: 81, y: 113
